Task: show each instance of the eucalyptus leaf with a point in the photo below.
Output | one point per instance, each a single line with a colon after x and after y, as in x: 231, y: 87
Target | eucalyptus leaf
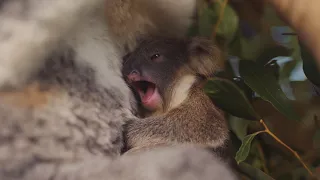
x: 266, y: 85
x: 273, y: 52
x: 229, y: 22
x: 239, y: 126
x: 244, y: 87
x: 253, y: 172
x: 253, y: 47
x: 273, y: 67
x: 207, y: 19
x: 278, y: 28
x: 310, y: 67
x: 235, y: 47
x: 230, y: 98
x: 244, y: 149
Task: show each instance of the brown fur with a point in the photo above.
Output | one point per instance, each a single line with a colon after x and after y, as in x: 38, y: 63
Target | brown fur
x: 196, y: 120
x: 130, y: 20
x: 34, y: 95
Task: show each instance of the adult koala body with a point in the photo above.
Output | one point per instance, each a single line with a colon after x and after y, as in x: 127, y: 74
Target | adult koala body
x: 64, y: 120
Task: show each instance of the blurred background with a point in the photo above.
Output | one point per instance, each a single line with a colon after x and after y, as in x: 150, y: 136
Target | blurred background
x: 270, y: 89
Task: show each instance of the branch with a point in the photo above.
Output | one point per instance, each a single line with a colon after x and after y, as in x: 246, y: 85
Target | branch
x: 223, y: 6
x: 282, y: 143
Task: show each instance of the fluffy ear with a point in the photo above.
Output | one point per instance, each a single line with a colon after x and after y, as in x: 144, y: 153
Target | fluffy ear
x: 205, y: 57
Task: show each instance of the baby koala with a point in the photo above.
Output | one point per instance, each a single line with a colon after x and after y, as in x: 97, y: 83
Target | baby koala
x: 168, y: 75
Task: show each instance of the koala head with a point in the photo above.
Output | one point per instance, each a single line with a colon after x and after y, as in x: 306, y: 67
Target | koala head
x: 158, y: 64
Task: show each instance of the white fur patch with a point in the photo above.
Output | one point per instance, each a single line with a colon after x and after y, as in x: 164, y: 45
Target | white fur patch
x: 181, y: 90
x: 220, y: 141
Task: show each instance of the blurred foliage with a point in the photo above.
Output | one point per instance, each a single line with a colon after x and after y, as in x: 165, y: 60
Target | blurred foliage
x: 276, y: 118
x: 230, y: 98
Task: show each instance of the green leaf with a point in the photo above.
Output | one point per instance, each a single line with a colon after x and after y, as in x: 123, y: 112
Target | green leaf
x: 253, y: 172
x: 310, y: 66
x: 253, y: 47
x: 316, y: 140
x: 265, y: 84
x: 209, y: 18
x: 273, y: 52
x: 278, y: 28
x: 206, y: 22
x: 244, y: 149
x: 234, y: 47
x: 230, y: 98
x: 239, y: 126
x: 229, y: 22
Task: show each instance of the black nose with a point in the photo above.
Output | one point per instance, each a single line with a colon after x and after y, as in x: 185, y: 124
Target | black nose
x: 135, y: 72
x: 134, y: 76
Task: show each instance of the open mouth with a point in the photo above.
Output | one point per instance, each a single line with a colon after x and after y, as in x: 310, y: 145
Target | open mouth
x: 145, y: 89
x: 148, y: 93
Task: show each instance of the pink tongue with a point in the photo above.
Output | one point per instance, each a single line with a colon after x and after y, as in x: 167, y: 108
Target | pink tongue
x: 151, y: 99
x: 148, y: 94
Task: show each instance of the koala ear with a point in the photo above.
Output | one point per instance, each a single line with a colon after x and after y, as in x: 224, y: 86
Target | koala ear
x: 205, y: 57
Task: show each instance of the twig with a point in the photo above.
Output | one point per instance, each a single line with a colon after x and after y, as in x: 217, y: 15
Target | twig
x: 289, y: 34
x: 223, y: 6
x: 284, y: 168
x: 282, y: 143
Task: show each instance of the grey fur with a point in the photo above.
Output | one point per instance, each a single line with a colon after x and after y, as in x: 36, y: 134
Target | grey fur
x: 76, y: 134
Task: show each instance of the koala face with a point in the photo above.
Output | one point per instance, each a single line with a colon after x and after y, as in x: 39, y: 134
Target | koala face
x: 153, y: 67
x: 158, y: 63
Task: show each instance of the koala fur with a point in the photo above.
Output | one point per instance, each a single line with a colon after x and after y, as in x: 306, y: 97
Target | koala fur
x: 63, y: 101
x: 168, y: 74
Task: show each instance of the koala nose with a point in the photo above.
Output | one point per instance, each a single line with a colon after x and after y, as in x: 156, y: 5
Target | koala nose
x: 134, y: 76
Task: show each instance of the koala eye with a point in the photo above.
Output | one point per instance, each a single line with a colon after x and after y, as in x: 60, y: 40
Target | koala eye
x: 155, y: 57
